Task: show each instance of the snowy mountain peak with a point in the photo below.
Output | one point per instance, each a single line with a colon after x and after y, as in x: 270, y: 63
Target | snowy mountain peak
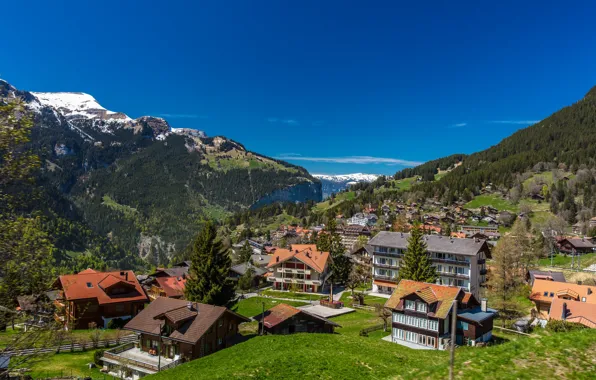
x: 76, y: 105
x: 354, y: 177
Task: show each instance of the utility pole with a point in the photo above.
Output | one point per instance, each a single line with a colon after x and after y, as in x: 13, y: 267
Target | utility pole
x: 453, y: 328
x: 263, y: 319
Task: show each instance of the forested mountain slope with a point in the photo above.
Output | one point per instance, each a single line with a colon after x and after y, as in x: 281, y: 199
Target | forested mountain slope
x: 567, y: 138
x: 142, y: 184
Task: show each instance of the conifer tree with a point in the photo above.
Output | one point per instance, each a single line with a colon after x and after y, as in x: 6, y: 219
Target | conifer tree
x: 416, y: 264
x: 208, y: 275
x: 245, y: 253
x: 330, y: 241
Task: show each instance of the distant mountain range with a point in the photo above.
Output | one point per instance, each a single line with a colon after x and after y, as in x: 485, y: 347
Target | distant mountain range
x: 142, y: 183
x: 335, y: 183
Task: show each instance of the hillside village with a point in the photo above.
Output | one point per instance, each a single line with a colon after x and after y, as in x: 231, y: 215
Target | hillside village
x: 285, y: 282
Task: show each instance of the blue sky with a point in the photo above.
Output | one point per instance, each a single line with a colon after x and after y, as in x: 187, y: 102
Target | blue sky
x: 335, y: 86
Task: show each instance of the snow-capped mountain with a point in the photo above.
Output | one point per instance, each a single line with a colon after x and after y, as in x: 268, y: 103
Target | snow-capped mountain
x: 83, y: 114
x: 335, y: 183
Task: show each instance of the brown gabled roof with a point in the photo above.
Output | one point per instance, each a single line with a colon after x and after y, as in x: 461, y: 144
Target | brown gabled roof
x: 307, y: 253
x: 90, y: 284
x: 195, y: 321
x: 282, y: 312
x: 442, y: 295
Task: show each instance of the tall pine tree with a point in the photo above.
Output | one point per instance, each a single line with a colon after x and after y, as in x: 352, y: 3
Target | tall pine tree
x: 416, y: 264
x: 208, y: 275
x: 330, y: 241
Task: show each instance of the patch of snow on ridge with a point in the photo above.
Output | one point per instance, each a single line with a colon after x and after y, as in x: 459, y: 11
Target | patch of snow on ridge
x: 77, y: 104
x: 355, y: 177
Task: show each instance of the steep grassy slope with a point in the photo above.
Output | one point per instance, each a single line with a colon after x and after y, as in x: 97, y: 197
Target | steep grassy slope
x: 303, y: 356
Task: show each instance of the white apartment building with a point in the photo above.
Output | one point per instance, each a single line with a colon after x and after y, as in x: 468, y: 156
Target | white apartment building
x: 459, y: 262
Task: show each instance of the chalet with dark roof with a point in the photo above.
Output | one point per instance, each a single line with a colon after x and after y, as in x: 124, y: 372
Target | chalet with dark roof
x: 284, y: 319
x: 170, y: 332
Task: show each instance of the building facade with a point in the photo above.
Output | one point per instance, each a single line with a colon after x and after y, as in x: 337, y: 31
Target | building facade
x: 301, y: 268
x: 170, y: 332
x: 459, y: 262
x: 92, y: 299
x: 422, y: 313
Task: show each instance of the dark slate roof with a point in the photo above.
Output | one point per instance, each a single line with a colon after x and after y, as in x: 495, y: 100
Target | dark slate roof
x: 242, y: 268
x: 261, y: 260
x: 434, y: 243
x: 4, y: 361
x: 581, y: 243
x: 556, y: 276
x: 476, y: 314
x: 173, y: 272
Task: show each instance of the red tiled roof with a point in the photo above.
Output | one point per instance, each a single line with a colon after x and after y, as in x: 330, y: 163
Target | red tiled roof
x: 565, y: 289
x: 172, y: 286
x: 307, y: 253
x: 90, y: 284
x: 577, y: 312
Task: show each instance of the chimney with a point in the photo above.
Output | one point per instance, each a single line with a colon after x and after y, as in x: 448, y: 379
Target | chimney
x: 189, y: 305
x: 277, y: 259
x: 483, y: 304
x: 564, y: 313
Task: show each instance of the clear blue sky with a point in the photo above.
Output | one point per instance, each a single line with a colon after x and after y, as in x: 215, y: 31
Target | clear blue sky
x: 319, y: 81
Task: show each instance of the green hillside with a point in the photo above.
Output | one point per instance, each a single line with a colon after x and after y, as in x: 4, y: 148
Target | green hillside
x: 304, y: 356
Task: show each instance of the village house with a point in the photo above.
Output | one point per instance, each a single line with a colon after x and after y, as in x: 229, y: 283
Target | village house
x: 350, y: 234
x: 363, y: 219
x: 360, y: 256
x: 283, y: 319
x: 576, y: 246
x: 92, y: 298
x: 170, y: 332
x: 458, y: 262
x: 422, y: 313
x: 533, y: 275
x: 301, y: 268
x: 239, y: 270
x: 470, y: 230
x: 167, y: 282
x: 545, y: 292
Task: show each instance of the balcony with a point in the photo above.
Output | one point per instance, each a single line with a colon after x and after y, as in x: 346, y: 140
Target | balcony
x: 481, y: 261
x: 379, y: 265
x: 289, y: 280
x: 483, y: 271
x: 292, y: 270
x: 388, y: 254
x: 384, y: 278
x: 137, y: 359
x: 454, y: 275
x: 450, y: 261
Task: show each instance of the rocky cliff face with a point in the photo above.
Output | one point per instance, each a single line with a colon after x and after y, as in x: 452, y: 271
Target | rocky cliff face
x: 302, y: 192
x: 140, y: 182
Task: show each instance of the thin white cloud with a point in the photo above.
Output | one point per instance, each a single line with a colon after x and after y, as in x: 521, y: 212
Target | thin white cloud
x: 285, y: 121
x: 350, y: 160
x: 182, y: 116
x: 523, y: 122
x: 458, y: 125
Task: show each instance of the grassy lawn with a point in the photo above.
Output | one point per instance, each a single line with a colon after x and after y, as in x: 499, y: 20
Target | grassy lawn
x: 6, y: 337
x: 565, y: 261
x: 64, y: 364
x: 491, y: 200
x: 344, y: 356
x: 293, y: 295
x: 251, y: 307
x: 352, y: 323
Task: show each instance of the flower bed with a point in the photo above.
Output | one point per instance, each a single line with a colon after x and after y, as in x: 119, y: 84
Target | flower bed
x: 332, y: 304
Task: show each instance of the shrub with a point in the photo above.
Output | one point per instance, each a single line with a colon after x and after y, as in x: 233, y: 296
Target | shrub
x: 97, y: 357
x: 116, y: 323
x: 563, y: 326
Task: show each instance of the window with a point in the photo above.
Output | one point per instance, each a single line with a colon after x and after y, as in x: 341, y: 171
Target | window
x: 583, y: 299
x: 410, y: 305
x: 219, y: 341
x: 430, y: 341
x: 230, y: 326
x: 462, y: 325
x: 89, y: 285
x: 552, y: 294
x: 545, y: 294
x: 220, y: 323
x: 421, y: 307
